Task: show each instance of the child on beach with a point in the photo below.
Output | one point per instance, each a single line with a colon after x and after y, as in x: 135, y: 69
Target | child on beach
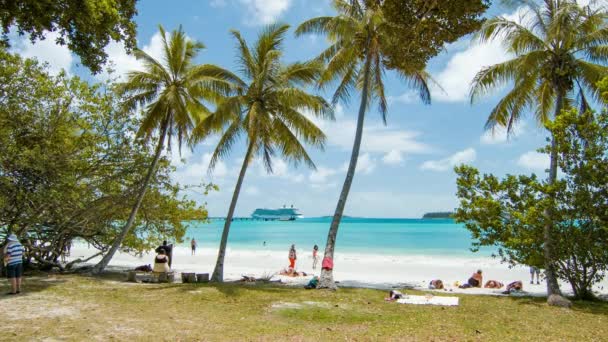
x: 315, y: 257
x: 292, y: 257
x: 515, y: 286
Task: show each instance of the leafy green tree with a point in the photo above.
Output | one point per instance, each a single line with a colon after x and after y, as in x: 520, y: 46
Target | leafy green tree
x: 171, y: 92
x: 368, y: 38
x: 85, y: 26
x: 510, y: 213
x: 560, y: 53
x: 269, y: 110
x: 69, y: 164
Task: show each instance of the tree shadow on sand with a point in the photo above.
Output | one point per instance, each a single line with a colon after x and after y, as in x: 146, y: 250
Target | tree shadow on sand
x: 32, y: 282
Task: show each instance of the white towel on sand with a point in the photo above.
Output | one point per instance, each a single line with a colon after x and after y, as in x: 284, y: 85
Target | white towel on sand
x: 429, y: 300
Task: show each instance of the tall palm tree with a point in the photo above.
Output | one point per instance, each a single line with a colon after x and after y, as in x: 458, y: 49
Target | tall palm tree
x: 269, y: 110
x: 171, y: 92
x: 560, y: 53
x: 357, y: 35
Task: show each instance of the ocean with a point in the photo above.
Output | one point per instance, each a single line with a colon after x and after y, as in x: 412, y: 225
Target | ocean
x: 431, y: 237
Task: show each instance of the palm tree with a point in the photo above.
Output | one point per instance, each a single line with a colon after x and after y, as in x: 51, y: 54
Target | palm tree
x: 170, y: 91
x: 560, y: 53
x: 269, y: 110
x: 355, y: 59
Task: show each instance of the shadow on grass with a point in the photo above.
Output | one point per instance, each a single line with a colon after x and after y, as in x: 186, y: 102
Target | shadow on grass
x: 32, y: 282
x: 597, y: 307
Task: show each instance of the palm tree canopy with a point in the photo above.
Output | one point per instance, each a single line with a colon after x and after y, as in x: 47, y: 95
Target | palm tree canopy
x: 358, y: 35
x: 173, y: 91
x: 559, y: 46
x: 270, y: 105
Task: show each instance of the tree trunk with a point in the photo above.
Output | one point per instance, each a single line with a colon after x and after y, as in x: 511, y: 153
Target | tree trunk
x: 327, y: 277
x: 218, y: 272
x: 548, y: 245
x: 103, y: 263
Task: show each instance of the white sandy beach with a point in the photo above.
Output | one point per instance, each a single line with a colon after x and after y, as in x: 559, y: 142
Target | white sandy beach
x: 360, y: 270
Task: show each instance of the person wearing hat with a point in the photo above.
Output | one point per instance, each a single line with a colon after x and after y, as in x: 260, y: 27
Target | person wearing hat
x: 13, y: 260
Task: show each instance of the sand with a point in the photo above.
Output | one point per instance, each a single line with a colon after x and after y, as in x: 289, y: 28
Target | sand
x: 358, y: 270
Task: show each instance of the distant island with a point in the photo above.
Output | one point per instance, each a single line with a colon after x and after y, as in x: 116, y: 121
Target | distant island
x: 438, y: 215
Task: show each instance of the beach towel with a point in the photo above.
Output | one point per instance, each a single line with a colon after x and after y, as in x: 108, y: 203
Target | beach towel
x: 429, y: 300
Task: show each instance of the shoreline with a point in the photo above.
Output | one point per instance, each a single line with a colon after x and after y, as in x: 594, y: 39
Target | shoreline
x: 352, y: 270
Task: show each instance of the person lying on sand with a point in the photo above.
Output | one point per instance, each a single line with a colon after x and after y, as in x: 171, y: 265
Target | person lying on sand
x: 515, y: 286
x: 290, y: 272
x: 475, y: 281
x: 393, y: 296
x: 493, y: 284
x: 436, y: 284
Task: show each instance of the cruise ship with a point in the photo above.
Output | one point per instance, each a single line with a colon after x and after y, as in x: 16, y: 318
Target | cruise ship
x: 281, y: 214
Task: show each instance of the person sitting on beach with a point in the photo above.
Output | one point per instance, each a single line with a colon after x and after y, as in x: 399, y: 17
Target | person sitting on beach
x: 493, y: 284
x: 515, y: 286
x: 436, y: 284
x: 312, y: 284
x: 394, y: 295
x: 475, y: 281
x: 161, y: 262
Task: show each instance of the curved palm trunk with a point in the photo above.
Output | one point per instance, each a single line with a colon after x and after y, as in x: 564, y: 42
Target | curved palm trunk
x: 549, y: 244
x: 327, y: 276
x: 103, y: 263
x: 218, y: 272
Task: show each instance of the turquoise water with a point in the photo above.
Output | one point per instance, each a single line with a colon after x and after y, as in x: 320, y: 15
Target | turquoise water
x: 356, y: 235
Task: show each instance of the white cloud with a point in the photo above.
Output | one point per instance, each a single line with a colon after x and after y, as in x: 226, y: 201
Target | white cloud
x: 196, y: 171
x: 365, y: 164
x: 376, y: 138
x: 265, y: 11
x: 533, y: 160
x: 122, y: 63
x: 456, y: 77
x: 322, y: 174
x: 394, y: 157
x: 499, y: 134
x: 252, y: 191
x: 461, y: 157
x: 47, y: 51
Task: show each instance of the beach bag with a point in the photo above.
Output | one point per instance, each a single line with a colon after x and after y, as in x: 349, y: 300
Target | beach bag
x: 327, y: 264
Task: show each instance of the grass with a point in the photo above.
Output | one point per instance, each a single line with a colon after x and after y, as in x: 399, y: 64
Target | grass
x: 76, y: 308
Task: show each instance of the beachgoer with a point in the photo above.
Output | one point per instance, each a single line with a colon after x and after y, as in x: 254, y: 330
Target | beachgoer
x: 168, y: 250
x: 493, y: 284
x: 514, y: 287
x: 436, y: 284
x: 313, y: 283
x: 161, y: 262
x: 193, y: 246
x: 13, y: 260
x: 475, y: 281
x: 292, y: 257
x: 264, y: 244
x: 315, y: 257
x: 534, y: 270
x: 394, y: 295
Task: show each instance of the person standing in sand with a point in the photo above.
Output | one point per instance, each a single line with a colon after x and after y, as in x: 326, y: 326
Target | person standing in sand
x: 13, y: 260
x: 292, y: 257
x: 315, y: 257
x: 193, y: 246
x: 534, y: 270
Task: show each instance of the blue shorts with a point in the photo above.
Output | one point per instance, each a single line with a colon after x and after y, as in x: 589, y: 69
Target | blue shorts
x: 14, y: 271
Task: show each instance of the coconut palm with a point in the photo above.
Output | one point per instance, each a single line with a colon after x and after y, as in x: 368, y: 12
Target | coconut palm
x: 355, y: 58
x: 560, y: 51
x: 269, y: 111
x: 170, y: 92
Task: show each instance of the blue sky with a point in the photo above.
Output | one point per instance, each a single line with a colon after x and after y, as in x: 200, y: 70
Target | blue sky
x: 405, y: 168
